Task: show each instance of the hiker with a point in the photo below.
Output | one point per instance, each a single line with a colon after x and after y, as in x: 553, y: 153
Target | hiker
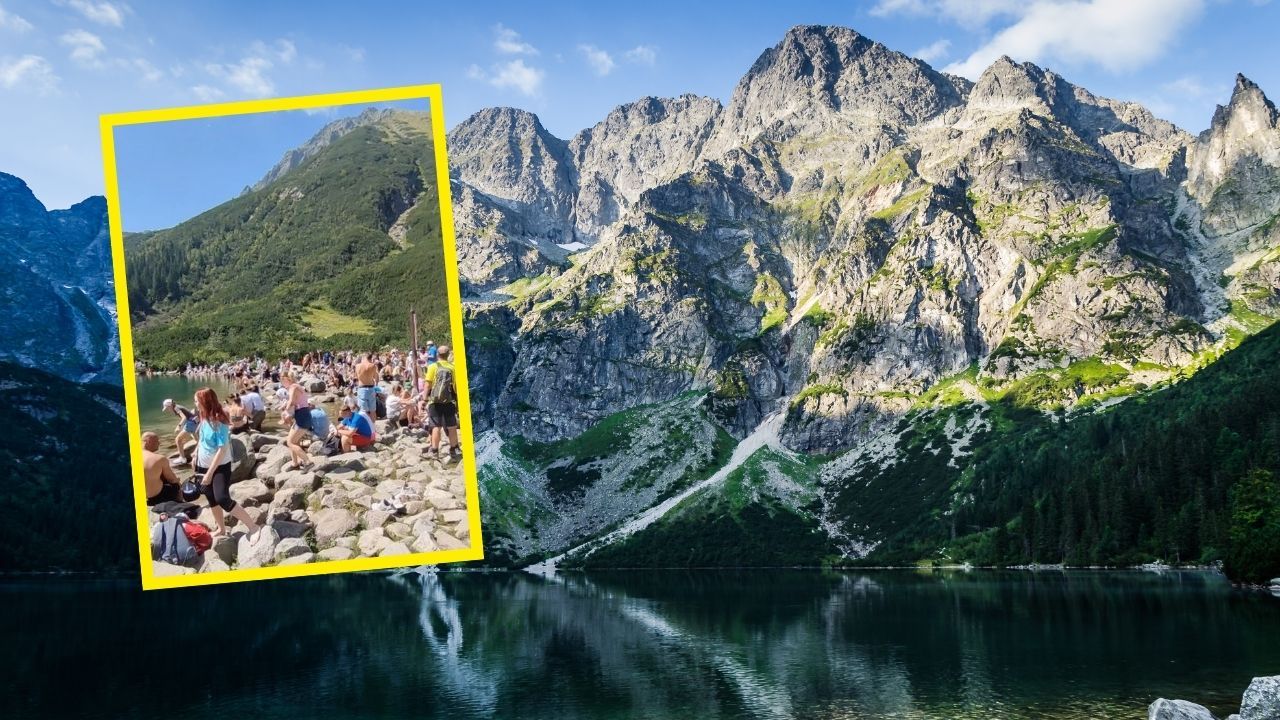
x: 161, y: 482
x: 442, y: 403
x: 395, y: 405
x: 213, y: 462
x: 432, y: 352
x: 185, y: 430
x: 239, y: 417
x: 367, y: 393
x: 355, y: 429
x: 410, y: 405
x: 319, y: 422
x: 255, y: 406
x: 299, y: 406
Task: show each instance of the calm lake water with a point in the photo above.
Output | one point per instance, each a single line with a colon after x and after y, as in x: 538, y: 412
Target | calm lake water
x: 153, y: 391
x: 704, y: 644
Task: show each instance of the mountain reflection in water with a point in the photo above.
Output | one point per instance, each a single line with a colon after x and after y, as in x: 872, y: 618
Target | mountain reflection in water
x: 647, y: 645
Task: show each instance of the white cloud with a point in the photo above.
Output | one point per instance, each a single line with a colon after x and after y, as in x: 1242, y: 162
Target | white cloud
x: 286, y: 51
x: 518, y: 76
x: 934, y: 51
x: 103, y: 13
x: 642, y: 55
x: 143, y: 67
x: 248, y: 75
x: 86, y: 48
x: 474, y: 72
x: 27, y: 72
x: 508, y: 42
x: 600, y: 61
x: 354, y: 54
x: 207, y: 93
x: 1118, y: 36
x: 16, y: 23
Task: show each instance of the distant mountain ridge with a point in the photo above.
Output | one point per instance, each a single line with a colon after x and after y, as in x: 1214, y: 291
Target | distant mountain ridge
x: 852, y: 238
x: 58, y: 287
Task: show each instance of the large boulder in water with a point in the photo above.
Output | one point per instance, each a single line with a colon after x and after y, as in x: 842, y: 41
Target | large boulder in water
x: 1262, y: 699
x: 1177, y: 710
x: 313, y: 384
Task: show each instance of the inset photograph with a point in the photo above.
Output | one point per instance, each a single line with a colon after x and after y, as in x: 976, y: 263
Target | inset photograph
x: 291, y: 333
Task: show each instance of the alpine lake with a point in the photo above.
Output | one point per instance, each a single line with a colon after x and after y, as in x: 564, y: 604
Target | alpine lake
x: 655, y: 644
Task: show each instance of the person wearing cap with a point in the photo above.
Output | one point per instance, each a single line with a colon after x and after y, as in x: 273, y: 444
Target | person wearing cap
x: 186, y: 427
x: 433, y: 353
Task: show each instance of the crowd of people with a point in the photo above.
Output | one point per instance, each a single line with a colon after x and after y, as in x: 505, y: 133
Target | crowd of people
x: 369, y: 387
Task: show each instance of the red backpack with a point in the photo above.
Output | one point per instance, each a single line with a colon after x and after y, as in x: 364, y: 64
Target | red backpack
x: 198, y: 535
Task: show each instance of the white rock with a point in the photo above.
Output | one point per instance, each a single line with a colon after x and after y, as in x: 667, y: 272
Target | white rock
x: 213, y: 563
x: 1262, y: 699
x: 258, y: 553
x: 395, y: 548
x: 302, y: 559
x: 336, y: 553
x: 333, y: 523
x: 251, y: 493
x: 291, y: 547
x: 1177, y: 710
x: 164, y: 569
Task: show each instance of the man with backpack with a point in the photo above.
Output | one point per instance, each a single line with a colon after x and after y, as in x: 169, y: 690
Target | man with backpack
x: 442, y: 403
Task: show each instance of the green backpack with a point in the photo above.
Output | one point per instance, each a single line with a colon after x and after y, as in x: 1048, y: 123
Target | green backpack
x: 442, y: 389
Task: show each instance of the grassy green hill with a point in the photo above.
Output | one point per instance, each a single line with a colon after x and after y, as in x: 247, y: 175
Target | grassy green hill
x: 306, y: 261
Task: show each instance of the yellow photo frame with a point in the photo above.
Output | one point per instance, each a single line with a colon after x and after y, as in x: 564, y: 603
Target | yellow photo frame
x: 431, y: 93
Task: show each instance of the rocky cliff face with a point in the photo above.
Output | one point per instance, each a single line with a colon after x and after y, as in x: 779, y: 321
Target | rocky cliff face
x: 855, y: 234
x: 58, y: 287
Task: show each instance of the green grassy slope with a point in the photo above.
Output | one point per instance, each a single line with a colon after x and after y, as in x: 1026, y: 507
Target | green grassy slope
x: 1151, y: 478
x: 239, y: 278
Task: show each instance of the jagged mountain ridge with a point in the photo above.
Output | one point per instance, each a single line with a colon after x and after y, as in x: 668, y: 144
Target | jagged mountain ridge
x: 850, y: 234
x: 58, y: 287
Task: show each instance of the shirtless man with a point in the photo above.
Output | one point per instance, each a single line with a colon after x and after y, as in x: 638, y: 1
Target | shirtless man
x: 161, y: 482
x: 367, y: 394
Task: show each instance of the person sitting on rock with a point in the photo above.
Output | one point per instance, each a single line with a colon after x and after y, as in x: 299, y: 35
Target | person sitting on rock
x: 442, y: 403
x: 395, y: 405
x: 213, y: 462
x: 161, y: 482
x: 355, y: 429
x: 411, y: 416
x: 256, y: 407
x: 239, y: 417
x: 186, y: 427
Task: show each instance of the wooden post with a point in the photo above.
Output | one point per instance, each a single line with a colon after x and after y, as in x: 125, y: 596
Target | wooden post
x: 413, y: 354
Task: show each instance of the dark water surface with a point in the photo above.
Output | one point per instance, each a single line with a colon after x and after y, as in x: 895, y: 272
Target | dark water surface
x: 889, y: 644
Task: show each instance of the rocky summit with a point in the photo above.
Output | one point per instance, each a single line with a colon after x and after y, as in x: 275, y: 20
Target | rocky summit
x: 58, y: 286
x: 388, y: 500
x: 853, y: 240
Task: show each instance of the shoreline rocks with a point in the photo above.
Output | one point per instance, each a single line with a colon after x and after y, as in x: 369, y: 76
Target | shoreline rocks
x: 1261, y: 701
x: 384, y: 501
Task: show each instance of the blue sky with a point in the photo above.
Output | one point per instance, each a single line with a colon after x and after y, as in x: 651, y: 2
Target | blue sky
x: 172, y: 171
x: 64, y: 62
